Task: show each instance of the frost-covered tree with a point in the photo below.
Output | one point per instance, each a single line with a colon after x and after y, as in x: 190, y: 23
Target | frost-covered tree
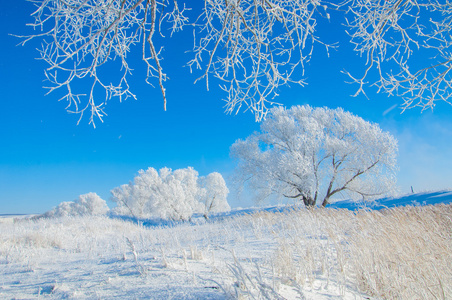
x: 252, y: 47
x: 86, y: 205
x: 128, y: 200
x: 213, y: 194
x: 174, y: 195
x: 314, y: 154
x: 162, y: 194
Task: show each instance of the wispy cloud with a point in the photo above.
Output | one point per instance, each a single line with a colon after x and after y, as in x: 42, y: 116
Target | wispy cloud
x: 389, y: 110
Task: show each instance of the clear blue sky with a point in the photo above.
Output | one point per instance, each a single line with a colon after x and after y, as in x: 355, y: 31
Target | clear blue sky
x: 45, y: 158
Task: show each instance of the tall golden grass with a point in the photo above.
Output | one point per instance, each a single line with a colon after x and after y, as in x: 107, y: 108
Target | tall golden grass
x: 398, y: 253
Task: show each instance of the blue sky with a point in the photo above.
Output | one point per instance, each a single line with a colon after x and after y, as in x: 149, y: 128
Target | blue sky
x: 45, y: 158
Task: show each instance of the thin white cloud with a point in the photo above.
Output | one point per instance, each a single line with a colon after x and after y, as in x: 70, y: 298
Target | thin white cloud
x: 389, y: 110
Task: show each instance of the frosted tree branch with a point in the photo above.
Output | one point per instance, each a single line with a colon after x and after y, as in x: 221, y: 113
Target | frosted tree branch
x: 81, y: 36
x: 407, y: 44
x: 251, y: 47
x: 255, y: 47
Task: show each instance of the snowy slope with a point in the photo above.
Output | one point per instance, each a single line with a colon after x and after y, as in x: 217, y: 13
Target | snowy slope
x: 417, y: 199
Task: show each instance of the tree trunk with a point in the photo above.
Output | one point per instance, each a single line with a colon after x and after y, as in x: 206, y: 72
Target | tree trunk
x: 308, y: 202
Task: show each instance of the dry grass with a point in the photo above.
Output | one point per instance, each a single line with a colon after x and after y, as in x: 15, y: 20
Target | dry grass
x: 400, y: 253
x: 404, y: 253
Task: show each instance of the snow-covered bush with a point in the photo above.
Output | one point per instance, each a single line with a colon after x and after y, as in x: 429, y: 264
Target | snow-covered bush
x: 85, y: 205
x: 167, y: 194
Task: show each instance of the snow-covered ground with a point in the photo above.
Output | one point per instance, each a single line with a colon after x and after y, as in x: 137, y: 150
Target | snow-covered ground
x: 274, y: 253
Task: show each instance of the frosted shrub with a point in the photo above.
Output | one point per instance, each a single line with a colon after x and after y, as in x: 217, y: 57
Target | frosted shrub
x: 92, y: 204
x: 173, y: 195
x: 162, y: 194
x: 86, y: 205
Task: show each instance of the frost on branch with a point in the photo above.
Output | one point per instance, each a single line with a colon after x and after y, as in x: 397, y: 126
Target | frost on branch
x: 254, y: 47
x: 407, y: 43
x: 314, y: 154
x: 81, y: 37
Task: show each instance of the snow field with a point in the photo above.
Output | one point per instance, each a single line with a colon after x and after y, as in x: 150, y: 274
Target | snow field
x: 399, y: 253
